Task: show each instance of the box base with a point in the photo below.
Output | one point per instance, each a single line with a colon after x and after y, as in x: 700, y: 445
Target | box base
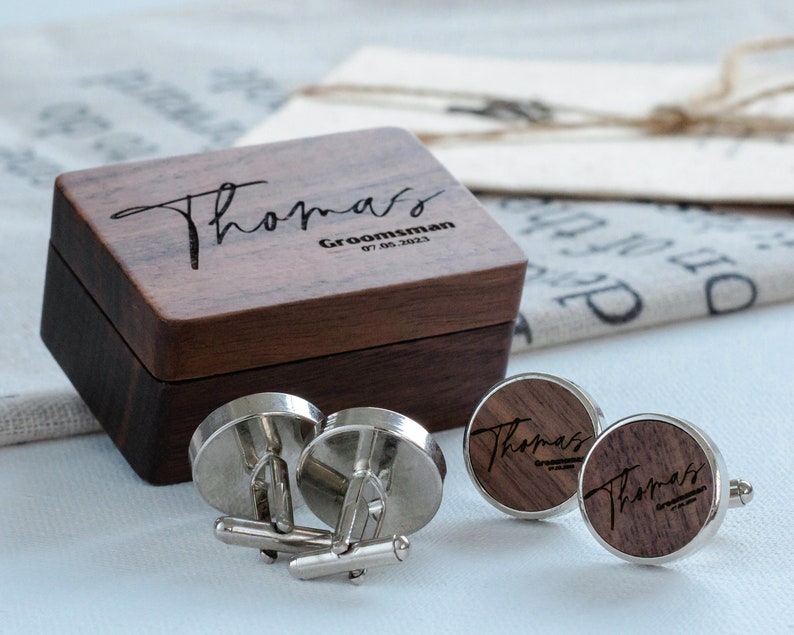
x: 435, y: 380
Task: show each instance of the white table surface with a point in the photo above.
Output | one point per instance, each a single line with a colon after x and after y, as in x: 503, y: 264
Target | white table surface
x: 86, y: 546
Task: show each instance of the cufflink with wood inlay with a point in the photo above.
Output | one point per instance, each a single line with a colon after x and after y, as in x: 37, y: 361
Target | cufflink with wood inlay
x: 526, y: 441
x: 653, y: 488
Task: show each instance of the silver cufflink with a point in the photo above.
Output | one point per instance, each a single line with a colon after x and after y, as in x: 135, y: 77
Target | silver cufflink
x: 374, y: 475
x: 526, y: 442
x: 653, y: 488
x: 240, y: 456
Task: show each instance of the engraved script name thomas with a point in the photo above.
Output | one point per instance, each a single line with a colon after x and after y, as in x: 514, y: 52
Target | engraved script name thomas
x: 224, y: 197
x: 620, y: 492
x: 504, y: 441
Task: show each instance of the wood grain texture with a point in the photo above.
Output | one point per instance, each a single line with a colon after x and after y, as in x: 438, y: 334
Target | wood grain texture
x: 435, y: 380
x: 648, y: 488
x: 212, y: 263
x: 527, y: 443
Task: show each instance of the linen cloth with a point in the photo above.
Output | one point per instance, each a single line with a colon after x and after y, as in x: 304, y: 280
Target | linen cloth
x: 119, y: 90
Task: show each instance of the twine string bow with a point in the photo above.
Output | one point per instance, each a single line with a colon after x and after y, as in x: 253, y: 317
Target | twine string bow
x: 718, y: 110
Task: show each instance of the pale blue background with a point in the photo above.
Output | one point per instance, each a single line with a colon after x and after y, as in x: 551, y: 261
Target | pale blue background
x: 15, y: 14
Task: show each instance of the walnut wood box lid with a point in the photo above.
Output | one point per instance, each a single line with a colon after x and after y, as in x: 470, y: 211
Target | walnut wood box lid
x: 242, y: 258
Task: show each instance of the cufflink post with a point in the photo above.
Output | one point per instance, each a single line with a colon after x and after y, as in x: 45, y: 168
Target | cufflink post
x: 240, y: 455
x: 741, y: 493
x: 393, y: 472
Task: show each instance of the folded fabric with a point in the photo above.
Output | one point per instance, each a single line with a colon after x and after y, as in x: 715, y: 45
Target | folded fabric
x: 43, y: 415
x: 601, y: 267
x: 78, y: 98
x: 452, y: 100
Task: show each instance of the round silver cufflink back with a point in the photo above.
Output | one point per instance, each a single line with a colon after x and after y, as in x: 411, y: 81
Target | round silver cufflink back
x: 383, y: 454
x: 375, y: 476
x: 653, y: 489
x: 526, y: 442
x: 372, y: 474
x: 238, y: 449
x: 240, y: 456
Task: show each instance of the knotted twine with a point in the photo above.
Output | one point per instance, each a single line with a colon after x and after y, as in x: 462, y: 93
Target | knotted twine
x: 716, y: 111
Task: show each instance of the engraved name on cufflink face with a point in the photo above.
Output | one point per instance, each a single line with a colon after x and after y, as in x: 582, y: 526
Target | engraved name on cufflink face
x: 526, y: 442
x: 649, y: 488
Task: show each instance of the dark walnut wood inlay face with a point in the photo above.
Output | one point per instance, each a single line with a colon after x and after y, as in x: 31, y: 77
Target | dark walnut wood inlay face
x: 648, y: 488
x: 527, y: 444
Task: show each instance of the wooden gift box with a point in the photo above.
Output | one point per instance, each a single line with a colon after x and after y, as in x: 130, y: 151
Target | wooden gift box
x: 349, y: 269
